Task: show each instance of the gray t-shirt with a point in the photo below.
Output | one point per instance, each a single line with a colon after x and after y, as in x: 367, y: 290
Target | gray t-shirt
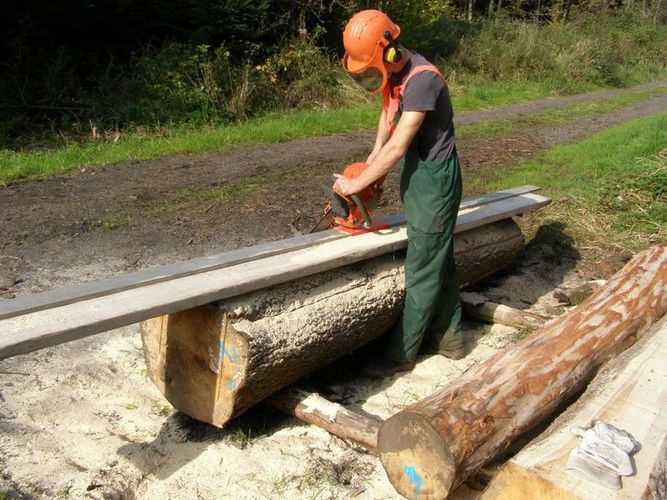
x: 426, y: 91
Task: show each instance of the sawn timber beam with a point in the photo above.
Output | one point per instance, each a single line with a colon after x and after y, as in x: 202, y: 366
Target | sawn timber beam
x: 45, y: 328
x: 10, y: 308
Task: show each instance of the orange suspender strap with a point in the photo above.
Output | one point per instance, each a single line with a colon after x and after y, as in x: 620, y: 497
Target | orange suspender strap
x: 391, y: 100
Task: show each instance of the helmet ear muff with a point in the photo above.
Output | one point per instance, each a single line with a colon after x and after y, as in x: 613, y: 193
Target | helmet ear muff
x: 392, y: 52
x: 393, y: 55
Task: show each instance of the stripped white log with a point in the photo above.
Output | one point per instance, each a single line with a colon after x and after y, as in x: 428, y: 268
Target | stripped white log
x: 490, y: 312
x: 332, y: 417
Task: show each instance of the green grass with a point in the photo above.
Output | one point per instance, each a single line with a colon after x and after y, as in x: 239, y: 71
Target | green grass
x: 610, y: 190
x: 145, y: 145
x: 480, y: 94
x: 493, y: 128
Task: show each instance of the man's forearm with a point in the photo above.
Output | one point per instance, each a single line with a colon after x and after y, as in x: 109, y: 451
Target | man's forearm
x: 389, y: 155
x: 382, y: 135
x: 382, y: 162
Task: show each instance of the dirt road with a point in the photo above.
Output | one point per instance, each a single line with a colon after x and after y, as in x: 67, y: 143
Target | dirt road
x: 82, y: 419
x: 110, y: 219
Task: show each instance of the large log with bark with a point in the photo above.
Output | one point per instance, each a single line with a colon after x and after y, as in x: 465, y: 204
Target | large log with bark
x: 432, y: 446
x: 630, y: 393
x: 214, y: 362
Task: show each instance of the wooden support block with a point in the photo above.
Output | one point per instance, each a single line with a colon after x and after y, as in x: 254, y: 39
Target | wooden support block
x: 490, y: 312
x: 332, y: 417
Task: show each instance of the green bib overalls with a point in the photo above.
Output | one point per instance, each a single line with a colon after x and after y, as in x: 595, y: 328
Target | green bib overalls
x: 431, y: 194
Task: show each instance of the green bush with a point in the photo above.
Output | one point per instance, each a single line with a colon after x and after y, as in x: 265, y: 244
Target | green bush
x: 59, y: 93
x: 619, y: 49
x: 182, y: 84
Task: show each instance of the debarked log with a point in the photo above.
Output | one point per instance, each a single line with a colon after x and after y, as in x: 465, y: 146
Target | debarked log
x: 477, y: 307
x: 216, y: 361
x: 432, y: 446
x: 332, y: 417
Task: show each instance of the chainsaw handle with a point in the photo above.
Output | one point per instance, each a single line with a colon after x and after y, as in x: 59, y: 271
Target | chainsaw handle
x: 367, y: 217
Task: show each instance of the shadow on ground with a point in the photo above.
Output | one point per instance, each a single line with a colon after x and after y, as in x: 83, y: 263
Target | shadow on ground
x: 182, y: 439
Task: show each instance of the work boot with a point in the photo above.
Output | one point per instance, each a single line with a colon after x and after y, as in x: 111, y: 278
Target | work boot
x: 386, y: 367
x: 459, y: 353
x: 453, y: 354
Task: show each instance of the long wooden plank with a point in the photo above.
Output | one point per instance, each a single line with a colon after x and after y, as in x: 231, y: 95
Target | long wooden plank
x: 62, y: 324
x: 10, y: 308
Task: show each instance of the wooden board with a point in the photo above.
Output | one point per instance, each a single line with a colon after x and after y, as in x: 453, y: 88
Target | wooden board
x: 630, y: 393
x: 69, y: 322
x: 10, y: 308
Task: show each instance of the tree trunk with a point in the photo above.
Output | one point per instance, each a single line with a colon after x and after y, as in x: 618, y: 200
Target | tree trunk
x: 630, y: 393
x: 432, y: 446
x: 470, y: 5
x: 214, y: 362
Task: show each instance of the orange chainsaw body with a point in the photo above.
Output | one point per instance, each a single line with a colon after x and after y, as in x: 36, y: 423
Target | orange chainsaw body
x: 360, y: 206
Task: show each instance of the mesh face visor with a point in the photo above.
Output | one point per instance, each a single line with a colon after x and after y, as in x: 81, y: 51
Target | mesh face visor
x: 370, y: 79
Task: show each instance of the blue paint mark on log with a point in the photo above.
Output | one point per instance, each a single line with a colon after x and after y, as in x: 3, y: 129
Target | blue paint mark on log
x: 232, y: 384
x: 414, y: 478
x: 233, y: 356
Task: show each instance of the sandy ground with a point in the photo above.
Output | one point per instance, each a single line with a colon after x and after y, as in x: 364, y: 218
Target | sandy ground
x: 83, y: 420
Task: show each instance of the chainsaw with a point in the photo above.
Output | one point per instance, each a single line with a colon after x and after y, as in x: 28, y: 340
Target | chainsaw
x: 352, y: 214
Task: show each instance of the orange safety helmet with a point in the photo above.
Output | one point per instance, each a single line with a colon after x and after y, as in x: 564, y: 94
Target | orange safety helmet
x: 369, y: 42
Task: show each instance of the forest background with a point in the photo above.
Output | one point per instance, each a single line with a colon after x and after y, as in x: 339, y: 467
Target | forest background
x: 98, y: 70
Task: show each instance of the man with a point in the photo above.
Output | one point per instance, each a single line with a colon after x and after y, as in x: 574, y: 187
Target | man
x: 416, y: 129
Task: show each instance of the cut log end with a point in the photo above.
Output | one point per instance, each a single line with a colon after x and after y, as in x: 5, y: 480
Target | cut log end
x: 174, y: 346
x: 409, y: 446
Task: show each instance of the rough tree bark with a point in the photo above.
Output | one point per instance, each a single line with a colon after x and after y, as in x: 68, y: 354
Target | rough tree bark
x: 630, y: 392
x: 432, y: 446
x: 216, y: 361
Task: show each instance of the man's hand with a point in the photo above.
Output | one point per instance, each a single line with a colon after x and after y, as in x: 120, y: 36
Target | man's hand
x: 346, y: 186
